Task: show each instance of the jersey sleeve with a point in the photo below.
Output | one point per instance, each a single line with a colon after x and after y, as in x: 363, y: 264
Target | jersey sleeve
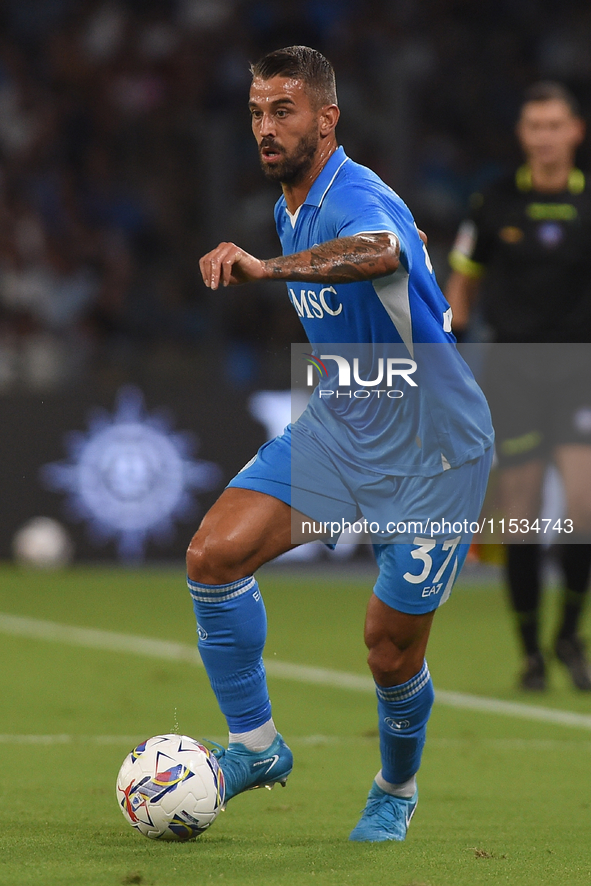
x: 365, y: 211
x: 471, y: 248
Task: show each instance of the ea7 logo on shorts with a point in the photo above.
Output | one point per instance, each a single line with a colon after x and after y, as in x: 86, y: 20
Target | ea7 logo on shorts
x: 396, y: 725
x: 429, y: 590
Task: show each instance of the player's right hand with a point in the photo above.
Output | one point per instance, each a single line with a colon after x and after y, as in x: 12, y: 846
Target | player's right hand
x: 229, y: 265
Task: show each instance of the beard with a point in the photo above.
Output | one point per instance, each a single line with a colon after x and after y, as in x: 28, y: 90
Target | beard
x: 292, y: 167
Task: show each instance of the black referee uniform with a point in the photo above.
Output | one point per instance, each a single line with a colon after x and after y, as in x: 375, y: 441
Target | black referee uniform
x: 536, y: 251
x: 533, y: 250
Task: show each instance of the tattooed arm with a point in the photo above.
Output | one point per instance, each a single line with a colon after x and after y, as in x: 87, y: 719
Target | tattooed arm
x: 344, y: 260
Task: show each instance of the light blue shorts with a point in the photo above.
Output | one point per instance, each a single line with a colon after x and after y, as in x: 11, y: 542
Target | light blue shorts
x: 420, y: 527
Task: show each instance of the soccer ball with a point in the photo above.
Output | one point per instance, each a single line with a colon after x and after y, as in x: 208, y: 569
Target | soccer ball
x: 43, y: 543
x: 170, y: 787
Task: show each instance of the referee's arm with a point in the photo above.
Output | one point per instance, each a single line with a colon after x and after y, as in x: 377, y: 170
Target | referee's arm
x: 461, y: 291
x: 467, y: 260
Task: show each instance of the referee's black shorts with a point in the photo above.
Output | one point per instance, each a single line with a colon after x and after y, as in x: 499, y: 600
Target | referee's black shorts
x: 540, y: 398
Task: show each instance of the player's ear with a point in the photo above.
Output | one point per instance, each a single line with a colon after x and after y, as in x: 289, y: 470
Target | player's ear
x: 329, y: 117
x: 580, y: 130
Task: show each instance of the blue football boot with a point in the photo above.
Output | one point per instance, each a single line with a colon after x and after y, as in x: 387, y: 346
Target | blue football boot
x: 246, y: 770
x: 385, y: 817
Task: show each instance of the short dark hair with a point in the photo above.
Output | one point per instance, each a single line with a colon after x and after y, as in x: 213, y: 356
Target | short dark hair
x: 549, y: 90
x: 301, y: 63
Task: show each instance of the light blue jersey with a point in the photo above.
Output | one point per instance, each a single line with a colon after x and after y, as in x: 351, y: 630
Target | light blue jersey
x: 440, y: 422
x: 348, y: 199
x: 417, y: 453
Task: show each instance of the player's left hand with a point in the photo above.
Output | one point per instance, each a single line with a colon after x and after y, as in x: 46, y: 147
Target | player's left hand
x: 228, y: 265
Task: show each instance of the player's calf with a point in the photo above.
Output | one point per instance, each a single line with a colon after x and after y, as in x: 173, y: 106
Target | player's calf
x: 403, y: 712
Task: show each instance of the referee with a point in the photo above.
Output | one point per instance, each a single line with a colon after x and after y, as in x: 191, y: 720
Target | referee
x: 524, y: 251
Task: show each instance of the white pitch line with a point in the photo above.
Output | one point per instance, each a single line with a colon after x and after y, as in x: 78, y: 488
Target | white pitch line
x: 513, y: 709
x: 93, y: 638
x: 35, y: 739
x: 527, y: 745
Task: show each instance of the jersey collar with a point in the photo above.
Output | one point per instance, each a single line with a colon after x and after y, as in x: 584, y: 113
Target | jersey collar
x: 323, y: 182
x: 576, y: 180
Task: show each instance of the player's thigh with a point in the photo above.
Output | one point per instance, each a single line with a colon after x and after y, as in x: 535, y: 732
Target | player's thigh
x: 243, y: 530
x: 574, y: 465
x: 299, y: 469
x: 256, y: 517
x: 520, y: 489
x: 250, y: 522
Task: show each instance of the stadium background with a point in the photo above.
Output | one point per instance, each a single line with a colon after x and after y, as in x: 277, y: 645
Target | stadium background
x: 125, y: 154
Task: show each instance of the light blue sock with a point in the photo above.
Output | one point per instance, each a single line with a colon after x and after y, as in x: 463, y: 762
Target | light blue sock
x: 232, y: 629
x: 403, y: 713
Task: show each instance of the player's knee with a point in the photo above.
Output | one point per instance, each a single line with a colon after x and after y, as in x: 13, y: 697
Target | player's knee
x: 386, y: 662
x: 392, y: 663
x: 212, y: 559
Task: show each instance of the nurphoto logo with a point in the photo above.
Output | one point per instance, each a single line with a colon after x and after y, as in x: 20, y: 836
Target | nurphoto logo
x: 388, y: 372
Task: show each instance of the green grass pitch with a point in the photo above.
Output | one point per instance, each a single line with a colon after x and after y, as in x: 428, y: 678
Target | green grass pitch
x: 503, y: 800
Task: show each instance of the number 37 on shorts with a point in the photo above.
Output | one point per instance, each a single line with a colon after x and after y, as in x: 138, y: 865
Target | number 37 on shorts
x: 419, y: 576
x: 437, y: 564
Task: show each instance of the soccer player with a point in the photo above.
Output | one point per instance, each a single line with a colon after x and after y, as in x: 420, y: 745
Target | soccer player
x: 527, y: 242
x: 368, y: 279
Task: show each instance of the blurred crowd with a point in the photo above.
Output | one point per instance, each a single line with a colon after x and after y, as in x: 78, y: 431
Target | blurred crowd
x: 125, y: 153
